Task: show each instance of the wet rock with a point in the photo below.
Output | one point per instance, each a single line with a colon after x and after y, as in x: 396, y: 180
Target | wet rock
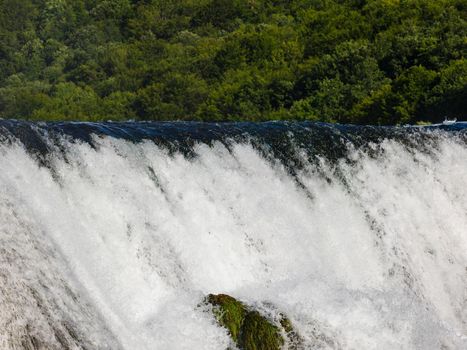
x: 229, y: 312
x: 257, y: 333
x: 248, y: 328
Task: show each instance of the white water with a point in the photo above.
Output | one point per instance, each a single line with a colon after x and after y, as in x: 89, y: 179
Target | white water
x: 379, y: 264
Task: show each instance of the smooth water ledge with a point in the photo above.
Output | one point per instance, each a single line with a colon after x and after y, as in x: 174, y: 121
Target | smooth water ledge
x: 205, y: 131
x: 277, y: 139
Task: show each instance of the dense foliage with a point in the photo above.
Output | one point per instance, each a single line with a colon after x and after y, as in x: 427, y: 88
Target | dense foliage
x: 359, y: 61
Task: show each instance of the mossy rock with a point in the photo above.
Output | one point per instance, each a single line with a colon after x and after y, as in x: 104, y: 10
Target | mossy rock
x: 230, y: 313
x: 257, y: 333
x: 248, y: 328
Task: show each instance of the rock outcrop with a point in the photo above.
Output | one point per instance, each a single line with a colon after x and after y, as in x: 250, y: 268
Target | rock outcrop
x: 249, y: 329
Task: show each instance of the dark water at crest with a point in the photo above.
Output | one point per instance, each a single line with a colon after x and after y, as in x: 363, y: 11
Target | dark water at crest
x: 278, y: 139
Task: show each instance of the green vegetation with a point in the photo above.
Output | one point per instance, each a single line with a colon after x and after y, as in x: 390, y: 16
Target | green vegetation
x: 229, y: 312
x: 350, y: 61
x: 247, y: 328
x: 259, y: 334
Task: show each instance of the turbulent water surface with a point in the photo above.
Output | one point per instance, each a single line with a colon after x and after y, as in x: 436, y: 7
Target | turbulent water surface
x: 112, y: 234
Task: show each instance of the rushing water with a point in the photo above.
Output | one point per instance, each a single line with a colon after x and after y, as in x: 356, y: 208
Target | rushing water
x: 112, y: 234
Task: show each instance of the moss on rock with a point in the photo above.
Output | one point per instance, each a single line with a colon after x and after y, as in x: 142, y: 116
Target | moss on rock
x: 257, y: 333
x: 248, y: 328
x: 229, y: 312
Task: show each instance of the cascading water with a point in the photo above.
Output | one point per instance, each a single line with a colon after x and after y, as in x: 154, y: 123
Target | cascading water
x: 112, y: 234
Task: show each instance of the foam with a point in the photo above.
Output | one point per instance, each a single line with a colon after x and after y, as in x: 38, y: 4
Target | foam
x: 372, y: 255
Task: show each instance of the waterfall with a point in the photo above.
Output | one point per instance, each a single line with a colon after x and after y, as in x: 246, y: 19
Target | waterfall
x: 112, y: 234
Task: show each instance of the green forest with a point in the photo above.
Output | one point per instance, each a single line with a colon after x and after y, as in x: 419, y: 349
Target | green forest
x: 347, y: 61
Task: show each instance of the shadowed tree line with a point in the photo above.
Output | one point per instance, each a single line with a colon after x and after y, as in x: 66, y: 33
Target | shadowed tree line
x: 349, y: 61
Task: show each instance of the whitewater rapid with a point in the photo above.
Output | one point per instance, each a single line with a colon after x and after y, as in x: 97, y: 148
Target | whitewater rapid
x: 113, y: 244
